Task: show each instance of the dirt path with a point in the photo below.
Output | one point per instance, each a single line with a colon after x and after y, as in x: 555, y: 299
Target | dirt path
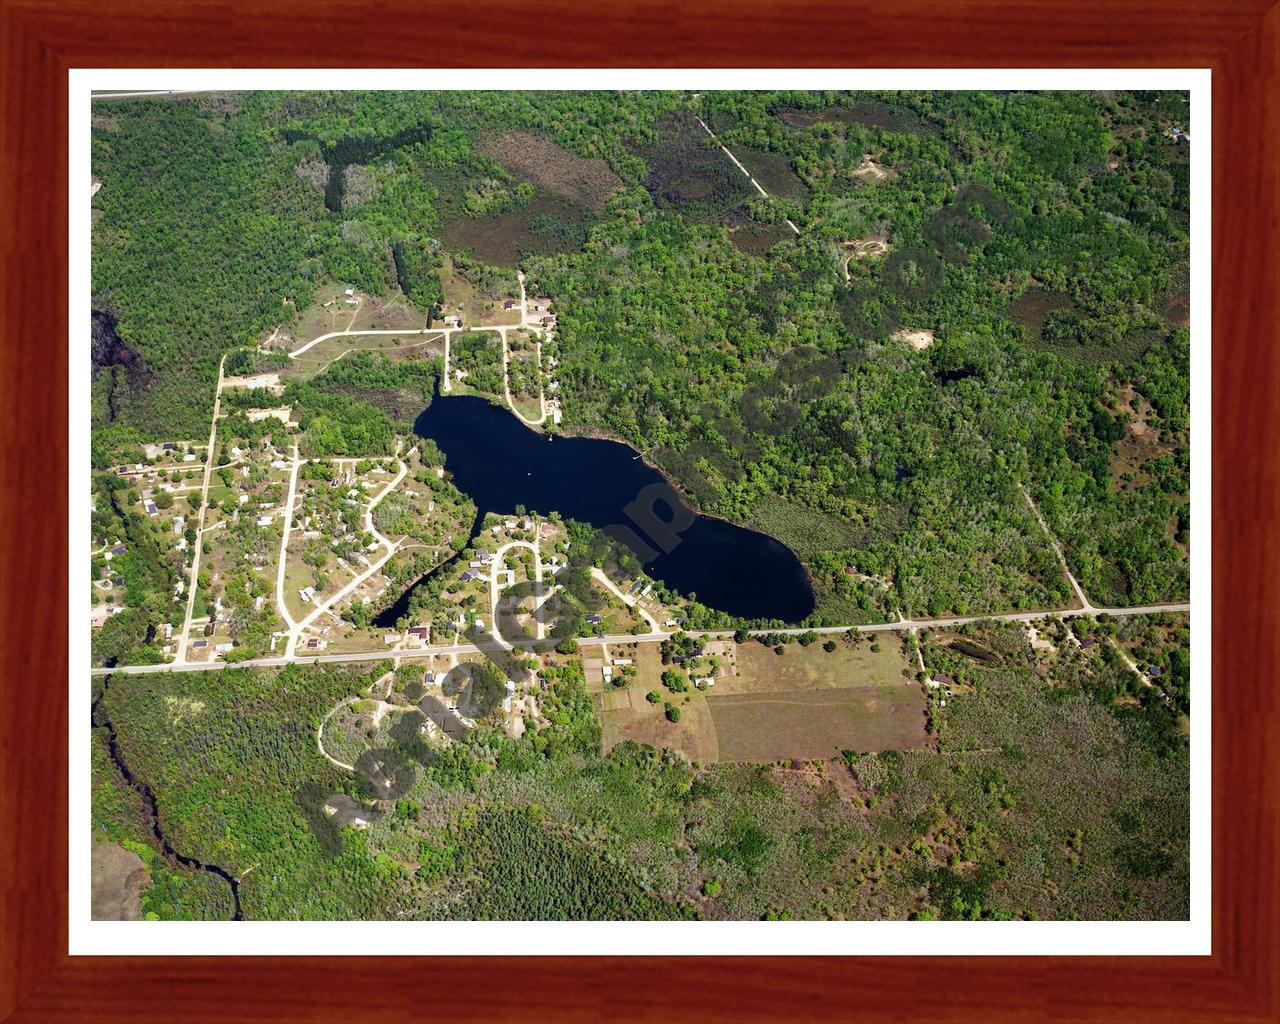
x: 498, y: 565
x: 180, y: 655
x: 320, y: 732
x: 283, y: 606
x: 736, y: 163
x: 630, y: 602
x: 1057, y: 549
x: 296, y: 633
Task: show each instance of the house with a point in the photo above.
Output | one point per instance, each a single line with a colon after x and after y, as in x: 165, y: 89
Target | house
x: 702, y: 682
x: 1086, y: 644
x: 350, y: 293
x: 484, y: 555
x: 942, y: 680
x: 453, y: 320
x: 1155, y: 672
x: 189, y: 457
x: 168, y: 446
x: 547, y: 529
x: 607, y: 673
x: 595, y: 620
x: 117, y: 551
x: 509, y: 304
x: 528, y: 524
x: 236, y: 452
x: 307, y: 593
x: 470, y: 575
x: 548, y: 320
x: 222, y: 648
x: 178, y: 522
x: 150, y: 506
x: 475, y: 565
x: 421, y: 632
x: 622, y: 661
x: 200, y: 643
x: 264, y: 520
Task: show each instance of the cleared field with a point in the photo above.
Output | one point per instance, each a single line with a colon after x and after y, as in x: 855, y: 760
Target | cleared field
x: 118, y: 876
x: 588, y: 183
x: 479, y: 309
x: 752, y: 237
x: 689, y: 173
x: 818, y: 723
x: 812, y: 668
x: 773, y: 171
x: 544, y: 226
x: 409, y: 346
x: 626, y: 715
x: 805, y: 703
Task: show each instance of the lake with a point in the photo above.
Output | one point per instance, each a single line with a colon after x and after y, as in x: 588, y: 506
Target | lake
x: 500, y: 463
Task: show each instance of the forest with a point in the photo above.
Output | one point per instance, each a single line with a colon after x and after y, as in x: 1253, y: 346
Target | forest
x: 1037, y: 240
x: 951, y: 305
x: 1009, y: 817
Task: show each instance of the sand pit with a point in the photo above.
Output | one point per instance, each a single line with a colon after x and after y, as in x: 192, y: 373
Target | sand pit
x: 916, y: 339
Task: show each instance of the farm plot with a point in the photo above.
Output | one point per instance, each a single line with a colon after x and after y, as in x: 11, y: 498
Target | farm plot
x: 762, y: 727
x: 808, y: 703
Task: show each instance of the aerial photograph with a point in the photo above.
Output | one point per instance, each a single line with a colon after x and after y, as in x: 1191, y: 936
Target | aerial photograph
x: 639, y: 505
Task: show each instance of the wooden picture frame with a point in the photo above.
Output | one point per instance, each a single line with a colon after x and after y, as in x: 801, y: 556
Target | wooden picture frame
x: 1238, y: 39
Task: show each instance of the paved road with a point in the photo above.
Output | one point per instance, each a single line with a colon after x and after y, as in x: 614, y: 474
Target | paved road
x: 627, y: 638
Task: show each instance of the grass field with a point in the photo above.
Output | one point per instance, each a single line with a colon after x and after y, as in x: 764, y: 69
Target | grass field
x: 817, y: 723
x: 478, y: 309
x: 316, y: 359
x: 545, y: 225
x: 773, y: 171
x: 587, y: 183
x: 812, y: 668
x: 804, y: 703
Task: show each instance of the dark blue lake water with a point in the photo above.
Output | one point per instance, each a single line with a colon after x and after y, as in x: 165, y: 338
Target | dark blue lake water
x: 500, y: 463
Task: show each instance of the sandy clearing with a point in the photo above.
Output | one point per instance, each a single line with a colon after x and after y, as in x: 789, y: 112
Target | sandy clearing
x: 917, y: 339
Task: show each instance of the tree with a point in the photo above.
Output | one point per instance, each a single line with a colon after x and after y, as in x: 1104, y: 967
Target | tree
x: 567, y: 646
x: 673, y: 713
x: 674, y: 681
x: 829, y: 646
x: 653, y: 696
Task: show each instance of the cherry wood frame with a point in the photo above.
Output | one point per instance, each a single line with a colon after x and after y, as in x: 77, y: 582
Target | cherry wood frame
x: 41, y: 39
